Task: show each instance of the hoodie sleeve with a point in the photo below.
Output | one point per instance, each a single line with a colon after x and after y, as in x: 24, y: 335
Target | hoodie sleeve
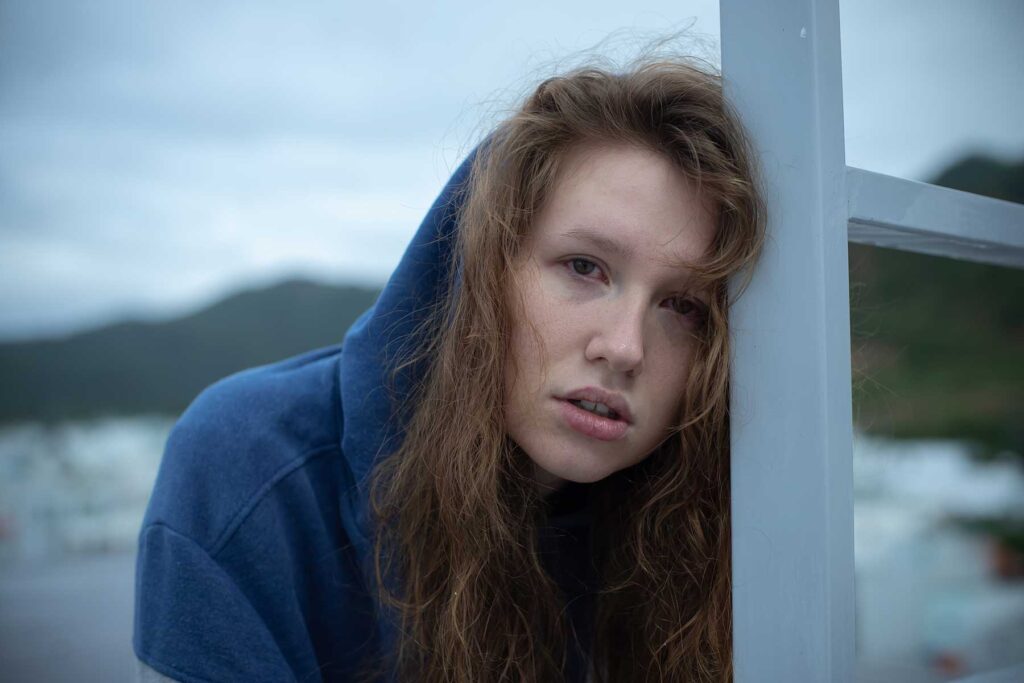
x: 196, y: 623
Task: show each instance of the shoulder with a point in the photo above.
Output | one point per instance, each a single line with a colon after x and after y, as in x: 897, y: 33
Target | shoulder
x: 245, y: 570
x: 241, y: 436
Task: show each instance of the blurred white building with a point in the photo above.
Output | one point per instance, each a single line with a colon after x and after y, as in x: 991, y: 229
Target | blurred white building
x: 76, y: 487
x: 929, y: 600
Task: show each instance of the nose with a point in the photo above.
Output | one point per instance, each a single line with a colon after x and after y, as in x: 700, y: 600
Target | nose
x: 619, y: 338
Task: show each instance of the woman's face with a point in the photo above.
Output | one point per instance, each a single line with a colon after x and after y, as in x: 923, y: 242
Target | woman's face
x: 605, y: 337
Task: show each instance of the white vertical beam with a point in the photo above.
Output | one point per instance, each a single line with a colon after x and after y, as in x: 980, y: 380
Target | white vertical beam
x: 792, y: 488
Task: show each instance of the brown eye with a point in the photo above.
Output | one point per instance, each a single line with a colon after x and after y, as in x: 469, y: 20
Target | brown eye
x: 684, y: 306
x: 689, y: 308
x: 582, y: 266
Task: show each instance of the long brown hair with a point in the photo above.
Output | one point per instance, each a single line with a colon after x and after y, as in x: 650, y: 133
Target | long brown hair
x: 455, y: 507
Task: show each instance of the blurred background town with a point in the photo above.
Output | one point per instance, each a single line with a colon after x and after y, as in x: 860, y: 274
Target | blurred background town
x: 188, y: 191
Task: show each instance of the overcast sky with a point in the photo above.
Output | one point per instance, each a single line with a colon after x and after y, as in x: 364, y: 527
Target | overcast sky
x: 155, y: 156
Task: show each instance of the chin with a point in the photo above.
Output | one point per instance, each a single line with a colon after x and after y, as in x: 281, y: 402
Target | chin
x: 575, y: 470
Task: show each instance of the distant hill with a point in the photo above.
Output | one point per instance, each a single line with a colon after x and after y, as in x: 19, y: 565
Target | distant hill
x: 142, y: 367
x: 939, y: 344
x: 989, y: 177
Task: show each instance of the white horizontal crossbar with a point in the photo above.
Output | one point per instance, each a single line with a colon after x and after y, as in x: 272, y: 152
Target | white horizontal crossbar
x: 903, y: 214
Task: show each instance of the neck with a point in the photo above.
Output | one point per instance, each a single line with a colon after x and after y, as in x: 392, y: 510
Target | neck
x: 547, y: 483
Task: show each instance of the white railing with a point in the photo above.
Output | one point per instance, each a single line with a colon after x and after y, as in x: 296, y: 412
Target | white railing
x: 792, y: 458
x: 903, y: 214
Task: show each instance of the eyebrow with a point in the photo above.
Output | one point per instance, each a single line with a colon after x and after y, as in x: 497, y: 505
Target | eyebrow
x: 602, y: 242
x: 617, y: 248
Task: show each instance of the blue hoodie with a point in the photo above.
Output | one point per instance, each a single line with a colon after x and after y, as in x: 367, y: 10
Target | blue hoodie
x: 254, y: 558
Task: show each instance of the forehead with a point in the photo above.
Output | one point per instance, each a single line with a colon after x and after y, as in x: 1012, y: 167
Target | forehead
x: 629, y: 201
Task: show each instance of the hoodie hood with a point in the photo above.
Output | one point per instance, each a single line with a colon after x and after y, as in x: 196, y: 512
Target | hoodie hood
x: 370, y: 429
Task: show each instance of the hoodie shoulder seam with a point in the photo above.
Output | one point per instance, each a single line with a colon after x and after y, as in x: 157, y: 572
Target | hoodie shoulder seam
x: 243, y: 513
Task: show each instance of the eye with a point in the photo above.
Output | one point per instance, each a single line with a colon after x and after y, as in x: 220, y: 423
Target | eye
x: 688, y: 307
x: 583, y: 266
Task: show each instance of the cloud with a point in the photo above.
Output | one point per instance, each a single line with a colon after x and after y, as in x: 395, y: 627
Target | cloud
x: 154, y: 155
x: 926, y: 82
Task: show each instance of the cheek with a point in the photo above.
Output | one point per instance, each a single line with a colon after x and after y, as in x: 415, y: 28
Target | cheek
x: 521, y: 354
x: 535, y: 331
x: 669, y: 377
x: 523, y: 368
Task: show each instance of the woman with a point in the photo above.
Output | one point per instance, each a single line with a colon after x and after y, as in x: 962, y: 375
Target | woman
x: 516, y: 465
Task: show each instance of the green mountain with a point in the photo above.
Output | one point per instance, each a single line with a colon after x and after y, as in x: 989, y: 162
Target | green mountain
x: 989, y: 177
x: 141, y: 367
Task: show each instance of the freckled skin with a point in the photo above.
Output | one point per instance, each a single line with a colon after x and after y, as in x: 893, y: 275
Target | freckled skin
x: 592, y: 316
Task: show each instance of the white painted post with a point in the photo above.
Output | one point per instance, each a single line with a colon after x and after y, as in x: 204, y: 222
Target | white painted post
x: 792, y: 480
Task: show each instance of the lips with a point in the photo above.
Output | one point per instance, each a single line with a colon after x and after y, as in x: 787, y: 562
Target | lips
x: 598, y: 395
x: 590, y: 423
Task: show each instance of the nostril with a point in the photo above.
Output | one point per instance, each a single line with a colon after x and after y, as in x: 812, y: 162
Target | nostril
x: 619, y: 342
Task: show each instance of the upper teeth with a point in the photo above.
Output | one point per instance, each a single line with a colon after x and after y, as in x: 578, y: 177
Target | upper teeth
x: 599, y: 408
